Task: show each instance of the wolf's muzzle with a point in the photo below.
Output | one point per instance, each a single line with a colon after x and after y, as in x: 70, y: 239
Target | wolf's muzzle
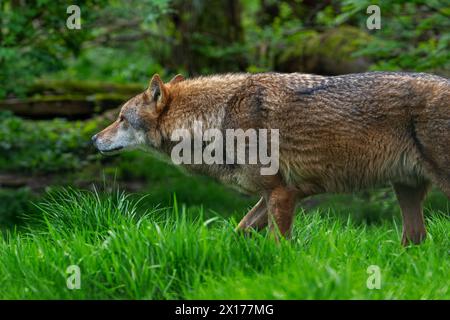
x: 94, y: 138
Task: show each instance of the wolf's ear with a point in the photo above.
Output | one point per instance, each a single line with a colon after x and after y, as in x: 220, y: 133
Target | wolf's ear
x: 177, y: 78
x: 157, y: 92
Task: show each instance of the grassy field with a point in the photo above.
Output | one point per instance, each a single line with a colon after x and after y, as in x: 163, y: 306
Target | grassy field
x: 125, y: 250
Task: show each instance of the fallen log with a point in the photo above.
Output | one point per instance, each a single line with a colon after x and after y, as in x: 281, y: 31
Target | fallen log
x: 72, y: 99
x: 72, y: 107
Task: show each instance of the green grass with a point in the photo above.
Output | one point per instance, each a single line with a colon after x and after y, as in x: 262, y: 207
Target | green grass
x: 180, y: 252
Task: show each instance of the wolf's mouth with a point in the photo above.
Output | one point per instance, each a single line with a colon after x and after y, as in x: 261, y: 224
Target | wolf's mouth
x: 108, y: 151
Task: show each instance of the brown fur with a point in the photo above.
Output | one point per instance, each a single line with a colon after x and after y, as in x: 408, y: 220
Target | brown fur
x: 337, y: 134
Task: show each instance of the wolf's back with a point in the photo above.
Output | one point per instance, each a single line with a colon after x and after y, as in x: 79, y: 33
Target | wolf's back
x: 356, y: 130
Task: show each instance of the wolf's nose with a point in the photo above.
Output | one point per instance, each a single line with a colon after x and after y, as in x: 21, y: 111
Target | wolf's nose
x: 94, y: 138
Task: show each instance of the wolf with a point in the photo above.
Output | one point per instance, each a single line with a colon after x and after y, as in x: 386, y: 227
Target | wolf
x: 337, y: 134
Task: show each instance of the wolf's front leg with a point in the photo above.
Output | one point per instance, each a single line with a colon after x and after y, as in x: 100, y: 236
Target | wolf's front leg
x: 256, y: 218
x: 281, y: 207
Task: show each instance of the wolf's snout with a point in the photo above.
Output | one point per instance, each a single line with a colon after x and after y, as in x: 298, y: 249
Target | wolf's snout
x: 94, y: 139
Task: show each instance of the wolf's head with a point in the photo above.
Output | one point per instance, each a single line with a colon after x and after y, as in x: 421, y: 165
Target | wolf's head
x: 137, y: 124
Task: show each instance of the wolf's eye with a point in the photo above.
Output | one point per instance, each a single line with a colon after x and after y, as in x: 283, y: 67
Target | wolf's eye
x: 121, y: 118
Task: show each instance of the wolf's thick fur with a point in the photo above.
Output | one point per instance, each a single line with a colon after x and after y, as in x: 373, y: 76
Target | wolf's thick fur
x: 337, y: 134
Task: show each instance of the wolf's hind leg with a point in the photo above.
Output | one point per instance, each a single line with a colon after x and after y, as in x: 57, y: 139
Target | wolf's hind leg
x: 411, y: 200
x: 256, y: 218
x: 282, y: 202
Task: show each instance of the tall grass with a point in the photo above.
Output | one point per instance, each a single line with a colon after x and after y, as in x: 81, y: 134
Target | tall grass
x: 174, y: 253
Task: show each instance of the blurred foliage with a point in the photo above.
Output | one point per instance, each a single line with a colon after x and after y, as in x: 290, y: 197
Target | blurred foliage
x: 127, y: 41
x: 14, y: 204
x: 414, y: 35
x: 34, y: 38
x: 44, y: 146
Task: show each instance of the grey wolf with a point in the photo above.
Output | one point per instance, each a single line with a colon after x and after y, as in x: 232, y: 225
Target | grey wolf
x: 336, y: 134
